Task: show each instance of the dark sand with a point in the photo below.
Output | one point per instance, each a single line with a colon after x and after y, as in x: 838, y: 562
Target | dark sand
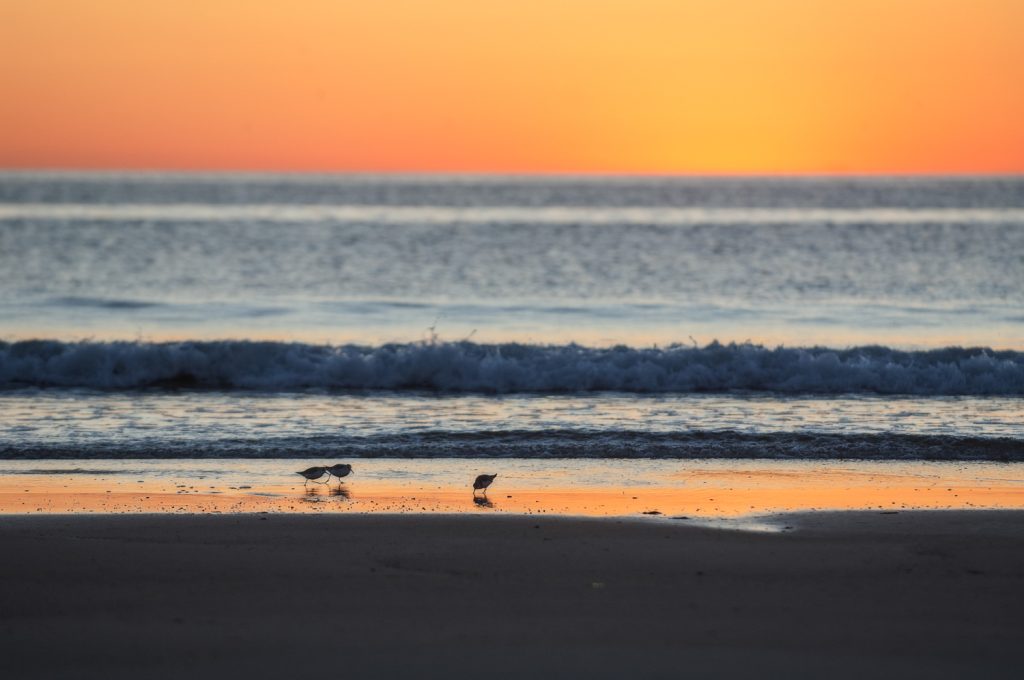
x: 852, y: 595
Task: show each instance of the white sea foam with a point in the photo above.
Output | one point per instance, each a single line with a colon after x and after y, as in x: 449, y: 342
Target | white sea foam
x: 447, y: 215
x: 511, y: 368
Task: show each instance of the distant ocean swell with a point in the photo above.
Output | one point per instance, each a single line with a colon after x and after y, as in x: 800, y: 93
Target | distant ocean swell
x: 546, y: 444
x: 509, y: 368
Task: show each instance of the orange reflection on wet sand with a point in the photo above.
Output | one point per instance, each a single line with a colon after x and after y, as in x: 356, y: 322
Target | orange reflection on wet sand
x: 703, y: 493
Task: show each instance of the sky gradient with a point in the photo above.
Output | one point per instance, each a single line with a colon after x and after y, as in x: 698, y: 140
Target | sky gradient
x: 629, y: 86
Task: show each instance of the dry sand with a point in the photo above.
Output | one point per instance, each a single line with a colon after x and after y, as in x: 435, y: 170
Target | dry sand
x: 923, y: 594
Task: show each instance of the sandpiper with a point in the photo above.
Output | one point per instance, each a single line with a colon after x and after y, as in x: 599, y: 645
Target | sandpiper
x: 340, y: 470
x: 482, y: 482
x: 314, y: 473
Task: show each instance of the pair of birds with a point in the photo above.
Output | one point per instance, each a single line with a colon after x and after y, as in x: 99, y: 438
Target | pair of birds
x: 314, y: 473
x: 344, y: 469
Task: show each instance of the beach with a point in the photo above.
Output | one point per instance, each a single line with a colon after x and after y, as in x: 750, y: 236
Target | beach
x: 847, y: 594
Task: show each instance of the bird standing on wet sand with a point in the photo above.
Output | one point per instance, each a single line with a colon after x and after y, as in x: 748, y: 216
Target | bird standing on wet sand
x: 340, y: 470
x: 312, y: 474
x: 482, y: 482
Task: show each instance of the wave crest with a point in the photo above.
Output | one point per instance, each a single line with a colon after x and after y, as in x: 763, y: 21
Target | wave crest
x: 509, y: 368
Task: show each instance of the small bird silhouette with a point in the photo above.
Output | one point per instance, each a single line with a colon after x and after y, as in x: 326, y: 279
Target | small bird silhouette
x: 314, y: 473
x: 340, y: 470
x: 482, y: 482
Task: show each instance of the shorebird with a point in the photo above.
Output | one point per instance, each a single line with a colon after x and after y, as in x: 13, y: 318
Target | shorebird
x: 314, y: 473
x: 340, y: 470
x: 482, y: 482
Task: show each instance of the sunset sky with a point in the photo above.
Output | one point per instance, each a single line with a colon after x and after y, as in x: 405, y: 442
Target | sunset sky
x: 620, y: 86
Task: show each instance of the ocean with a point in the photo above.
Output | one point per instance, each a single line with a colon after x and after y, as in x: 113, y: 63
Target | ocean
x: 190, y: 316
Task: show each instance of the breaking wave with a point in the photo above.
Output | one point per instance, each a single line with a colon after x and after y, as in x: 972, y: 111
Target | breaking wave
x: 509, y: 368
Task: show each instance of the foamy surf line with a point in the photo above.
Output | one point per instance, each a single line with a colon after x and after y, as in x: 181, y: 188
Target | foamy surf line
x: 454, y: 367
x: 544, y: 444
x: 434, y: 214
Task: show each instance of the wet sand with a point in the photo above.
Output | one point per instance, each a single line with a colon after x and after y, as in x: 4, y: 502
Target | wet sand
x: 867, y: 594
x: 604, y: 487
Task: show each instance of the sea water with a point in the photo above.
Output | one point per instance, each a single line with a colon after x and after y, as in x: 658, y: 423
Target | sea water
x: 234, y: 316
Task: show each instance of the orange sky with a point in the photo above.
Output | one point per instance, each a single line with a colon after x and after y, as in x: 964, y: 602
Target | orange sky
x: 650, y: 86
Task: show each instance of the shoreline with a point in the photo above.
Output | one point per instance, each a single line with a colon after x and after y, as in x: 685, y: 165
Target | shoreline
x: 922, y: 594
x: 601, y: 487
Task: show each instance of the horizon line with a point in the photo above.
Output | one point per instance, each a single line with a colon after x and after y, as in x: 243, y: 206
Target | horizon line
x: 499, y: 174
